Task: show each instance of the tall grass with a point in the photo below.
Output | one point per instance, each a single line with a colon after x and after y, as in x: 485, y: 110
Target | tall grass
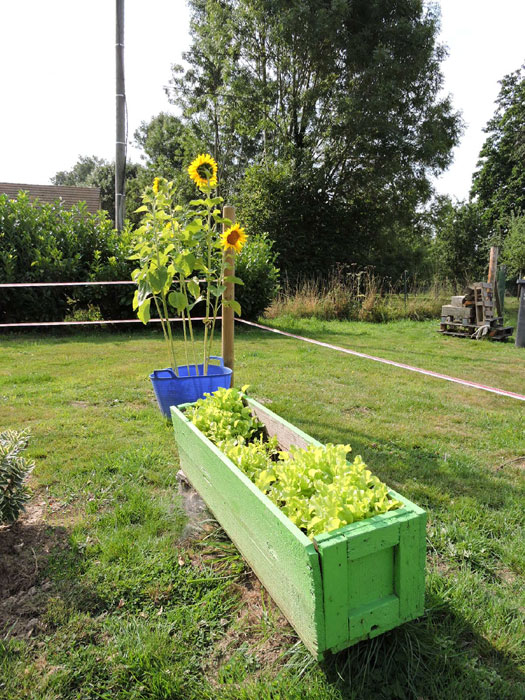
x: 360, y: 295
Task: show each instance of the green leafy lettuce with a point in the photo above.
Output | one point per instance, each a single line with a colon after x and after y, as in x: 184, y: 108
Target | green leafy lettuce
x: 316, y: 487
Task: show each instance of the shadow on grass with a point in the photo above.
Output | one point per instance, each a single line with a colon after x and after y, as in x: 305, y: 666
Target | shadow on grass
x: 433, y: 478
x: 440, y: 656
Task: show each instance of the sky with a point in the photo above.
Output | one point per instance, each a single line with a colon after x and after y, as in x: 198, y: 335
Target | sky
x: 58, y: 77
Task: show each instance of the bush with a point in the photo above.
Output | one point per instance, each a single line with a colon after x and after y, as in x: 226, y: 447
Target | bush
x: 314, y: 229
x: 309, y: 231
x: 48, y: 243
x: 255, y: 265
x: 14, y: 469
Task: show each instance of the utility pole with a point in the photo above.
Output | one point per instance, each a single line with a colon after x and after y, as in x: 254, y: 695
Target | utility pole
x: 120, y: 152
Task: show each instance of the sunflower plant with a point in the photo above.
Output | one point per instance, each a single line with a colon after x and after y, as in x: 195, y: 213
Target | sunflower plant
x: 179, y: 251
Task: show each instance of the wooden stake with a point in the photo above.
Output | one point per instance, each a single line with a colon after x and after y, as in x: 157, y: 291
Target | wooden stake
x: 120, y: 145
x: 493, y: 277
x: 493, y: 264
x: 228, y: 295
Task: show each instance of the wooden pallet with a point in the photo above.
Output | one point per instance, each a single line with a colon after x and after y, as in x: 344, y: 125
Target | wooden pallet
x: 468, y: 330
x: 483, y: 302
x: 477, y: 309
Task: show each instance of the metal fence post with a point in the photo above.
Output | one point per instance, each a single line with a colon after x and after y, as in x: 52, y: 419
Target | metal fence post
x: 520, y: 330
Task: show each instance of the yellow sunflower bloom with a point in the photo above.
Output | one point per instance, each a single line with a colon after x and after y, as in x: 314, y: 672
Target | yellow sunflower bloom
x: 156, y: 185
x: 203, y: 171
x: 234, y: 238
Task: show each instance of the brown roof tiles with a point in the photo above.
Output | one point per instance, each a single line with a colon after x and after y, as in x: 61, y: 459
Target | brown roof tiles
x: 50, y: 193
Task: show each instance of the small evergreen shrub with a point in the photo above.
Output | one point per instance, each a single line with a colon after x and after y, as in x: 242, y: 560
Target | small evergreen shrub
x: 14, y: 469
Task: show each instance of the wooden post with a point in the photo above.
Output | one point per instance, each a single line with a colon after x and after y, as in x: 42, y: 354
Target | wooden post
x: 228, y: 295
x: 493, y: 278
x: 493, y: 264
x: 120, y: 145
x: 520, y: 330
x: 500, y: 284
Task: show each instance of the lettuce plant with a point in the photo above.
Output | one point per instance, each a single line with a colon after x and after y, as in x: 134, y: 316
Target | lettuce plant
x: 316, y: 487
x: 223, y: 417
x: 253, y: 458
x: 320, y: 491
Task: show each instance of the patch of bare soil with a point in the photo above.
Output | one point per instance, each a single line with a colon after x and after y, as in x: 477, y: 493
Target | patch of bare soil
x: 24, y: 550
x: 260, y: 632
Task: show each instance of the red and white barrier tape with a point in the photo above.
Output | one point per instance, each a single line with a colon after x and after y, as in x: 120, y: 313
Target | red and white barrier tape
x: 16, y: 285
x: 91, y: 323
x: 428, y: 373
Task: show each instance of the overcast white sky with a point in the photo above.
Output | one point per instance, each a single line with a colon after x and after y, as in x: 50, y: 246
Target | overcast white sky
x: 58, y: 93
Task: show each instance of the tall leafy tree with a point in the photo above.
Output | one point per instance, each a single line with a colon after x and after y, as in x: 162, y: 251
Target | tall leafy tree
x: 84, y: 173
x: 345, y: 95
x: 167, y: 142
x: 91, y: 171
x: 499, y: 182
x: 460, y: 244
x: 203, y: 90
x: 169, y: 146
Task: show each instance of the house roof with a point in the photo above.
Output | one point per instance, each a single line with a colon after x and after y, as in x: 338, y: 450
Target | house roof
x: 50, y: 193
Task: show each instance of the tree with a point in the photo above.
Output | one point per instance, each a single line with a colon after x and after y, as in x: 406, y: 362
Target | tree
x: 499, y: 183
x: 83, y: 173
x: 204, y: 90
x: 344, y: 95
x: 169, y: 146
x: 514, y: 247
x: 91, y: 171
x: 459, y: 250
x: 166, y: 138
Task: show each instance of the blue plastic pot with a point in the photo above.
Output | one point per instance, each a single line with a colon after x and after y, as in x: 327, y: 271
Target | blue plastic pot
x: 171, y: 390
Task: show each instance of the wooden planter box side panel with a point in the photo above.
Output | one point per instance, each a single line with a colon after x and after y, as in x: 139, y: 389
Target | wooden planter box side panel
x: 286, y: 433
x: 282, y: 557
x: 375, y: 580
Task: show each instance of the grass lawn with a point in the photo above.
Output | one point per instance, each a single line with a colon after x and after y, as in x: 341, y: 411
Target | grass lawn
x: 108, y: 592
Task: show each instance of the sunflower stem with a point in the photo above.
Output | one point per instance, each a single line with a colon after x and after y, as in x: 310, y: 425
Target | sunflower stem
x: 169, y: 339
x: 161, y: 319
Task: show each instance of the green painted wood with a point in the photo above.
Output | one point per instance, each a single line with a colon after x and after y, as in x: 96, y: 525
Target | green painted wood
x: 385, y: 574
x: 373, y: 537
x: 374, y: 618
x: 334, y: 567
x: 347, y: 585
x: 410, y: 561
x: 282, y: 557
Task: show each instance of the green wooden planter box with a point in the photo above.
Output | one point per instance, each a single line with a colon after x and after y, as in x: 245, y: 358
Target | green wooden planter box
x: 347, y: 585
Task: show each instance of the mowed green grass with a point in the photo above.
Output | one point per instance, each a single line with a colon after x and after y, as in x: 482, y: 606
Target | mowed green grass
x: 133, y: 610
